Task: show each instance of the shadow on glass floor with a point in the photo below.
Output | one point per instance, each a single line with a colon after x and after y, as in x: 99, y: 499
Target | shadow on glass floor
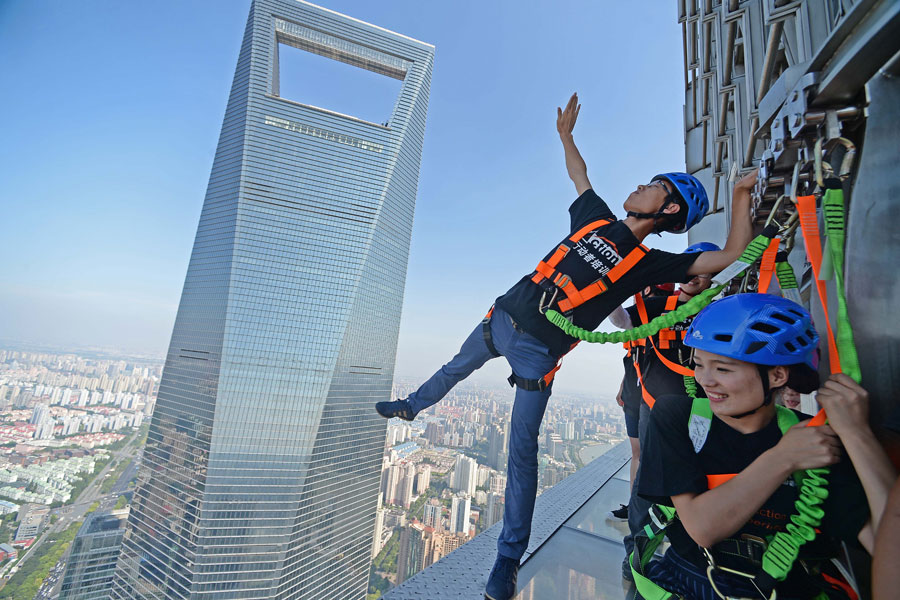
x: 582, y: 560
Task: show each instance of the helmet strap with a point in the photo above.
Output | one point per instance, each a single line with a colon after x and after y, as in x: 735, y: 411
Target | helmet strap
x: 657, y: 215
x: 767, y: 392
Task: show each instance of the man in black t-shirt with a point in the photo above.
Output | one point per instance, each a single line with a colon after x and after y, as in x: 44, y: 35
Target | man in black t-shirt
x: 602, y: 262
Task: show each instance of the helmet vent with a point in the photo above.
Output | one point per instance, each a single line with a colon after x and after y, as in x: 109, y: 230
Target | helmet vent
x: 765, y: 327
x: 754, y: 347
x: 722, y: 337
x: 790, y: 347
x: 802, y: 342
x: 784, y: 318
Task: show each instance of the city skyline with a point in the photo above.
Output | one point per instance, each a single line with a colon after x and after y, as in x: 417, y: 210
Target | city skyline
x: 262, y: 464
x: 129, y: 162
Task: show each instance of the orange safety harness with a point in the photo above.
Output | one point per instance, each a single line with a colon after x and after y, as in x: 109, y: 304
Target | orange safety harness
x: 552, y: 280
x: 547, y: 276
x: 665, y: 336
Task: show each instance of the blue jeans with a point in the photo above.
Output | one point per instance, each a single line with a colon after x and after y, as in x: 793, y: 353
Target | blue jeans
x: 531, y: 359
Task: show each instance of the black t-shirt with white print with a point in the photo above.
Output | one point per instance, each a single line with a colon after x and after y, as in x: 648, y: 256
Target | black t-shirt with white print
x: 670, y: 466
x: 594, y: 256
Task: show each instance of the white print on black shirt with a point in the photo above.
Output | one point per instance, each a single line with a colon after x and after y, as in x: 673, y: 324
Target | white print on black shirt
x: 598, y: 252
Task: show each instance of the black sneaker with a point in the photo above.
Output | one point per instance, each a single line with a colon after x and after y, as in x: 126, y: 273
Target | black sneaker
x: 501, y: 583
x: 619, y: 514
x: 398, y: 408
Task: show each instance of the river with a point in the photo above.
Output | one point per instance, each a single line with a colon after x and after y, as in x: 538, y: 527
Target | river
x: 589, y: 453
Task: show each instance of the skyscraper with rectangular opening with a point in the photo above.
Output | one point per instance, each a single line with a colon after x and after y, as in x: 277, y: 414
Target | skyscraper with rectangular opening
x: 261, y: 470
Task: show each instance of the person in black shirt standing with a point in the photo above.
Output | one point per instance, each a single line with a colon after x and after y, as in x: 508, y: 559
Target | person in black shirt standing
x: 599, y: 264
x: 659, y: 364
x: 729, y: 473
x: 629, y: 396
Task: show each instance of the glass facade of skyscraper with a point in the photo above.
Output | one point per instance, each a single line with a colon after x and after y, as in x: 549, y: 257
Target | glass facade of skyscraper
x: 261, y: 471
x: 92, y: 559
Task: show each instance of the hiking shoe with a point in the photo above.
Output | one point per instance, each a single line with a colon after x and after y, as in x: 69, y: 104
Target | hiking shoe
x: 501, y: 584
x: 399, y: 408
x: 619, y: 514
x: 627, y: 575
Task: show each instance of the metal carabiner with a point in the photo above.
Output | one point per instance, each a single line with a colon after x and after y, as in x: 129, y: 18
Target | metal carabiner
x: 544, y: 307
x: 713, y: 567
x: 775, y: 207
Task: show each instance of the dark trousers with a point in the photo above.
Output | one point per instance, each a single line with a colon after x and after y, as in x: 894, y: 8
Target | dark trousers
x: 529, y: 358
x: 637, y: 506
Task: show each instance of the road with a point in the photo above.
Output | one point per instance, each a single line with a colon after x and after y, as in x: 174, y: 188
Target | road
x: 70, y: 513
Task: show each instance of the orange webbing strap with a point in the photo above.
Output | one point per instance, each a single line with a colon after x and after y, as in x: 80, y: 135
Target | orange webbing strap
x: 588, y: 228
x: 672, y: 366
x: 713, y: 481
x: 767, y: 265
x: 647, y: 396
x: 809, y: 225
x: 546, y: 269
x: 576, y: 297
x: 641, y: 308
x: 666, y: 336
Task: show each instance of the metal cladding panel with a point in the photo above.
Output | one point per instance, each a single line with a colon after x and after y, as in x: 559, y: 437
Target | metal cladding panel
x: 773, y: 78
x: 284, y: 464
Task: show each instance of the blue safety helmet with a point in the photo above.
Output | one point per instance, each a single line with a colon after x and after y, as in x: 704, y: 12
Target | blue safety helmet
x: 757, y: 328
x: 701, y: 247
x: 693, y: 194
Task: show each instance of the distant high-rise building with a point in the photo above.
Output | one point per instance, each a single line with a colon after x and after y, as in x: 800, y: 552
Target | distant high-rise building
x: 464, y: 475
x: 460, y: 512
x: 498, y: 483
x: 423, y: 479
x: 433, y: 433
x: 497, y: 440
x: 406, y: 485
x: 494, y: 510
x: 261, y: 471
x: 432, y: 517
x: 38, y: 413
x: 411, y: 554
x: 92, y: 559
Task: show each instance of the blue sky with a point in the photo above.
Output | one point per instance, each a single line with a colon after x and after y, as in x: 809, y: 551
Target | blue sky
x: 111, y: 113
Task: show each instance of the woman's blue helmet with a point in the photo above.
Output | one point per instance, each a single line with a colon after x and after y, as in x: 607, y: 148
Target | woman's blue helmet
x: 701, y: 247
x: 693, y: 194
x: 757, y: 328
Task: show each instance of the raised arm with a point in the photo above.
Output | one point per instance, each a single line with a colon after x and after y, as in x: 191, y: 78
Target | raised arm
x: 565, y: 123
x: 739, y: 235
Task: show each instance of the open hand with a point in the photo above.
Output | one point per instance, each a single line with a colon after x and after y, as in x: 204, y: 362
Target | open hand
x: 565, y: 119
x: 809, y: 447
x: 846, y: 403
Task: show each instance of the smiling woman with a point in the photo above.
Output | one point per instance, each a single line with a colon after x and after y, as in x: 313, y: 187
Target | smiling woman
x: 733, y: 464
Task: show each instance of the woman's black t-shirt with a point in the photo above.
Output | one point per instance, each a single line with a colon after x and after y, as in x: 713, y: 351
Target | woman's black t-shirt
x: 670, y: 466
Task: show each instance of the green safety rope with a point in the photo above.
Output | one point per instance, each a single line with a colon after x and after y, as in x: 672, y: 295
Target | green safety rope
x: 835, y: 227
x: 786, y: 279
x: 690, y: 308
x: 784, y: 272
